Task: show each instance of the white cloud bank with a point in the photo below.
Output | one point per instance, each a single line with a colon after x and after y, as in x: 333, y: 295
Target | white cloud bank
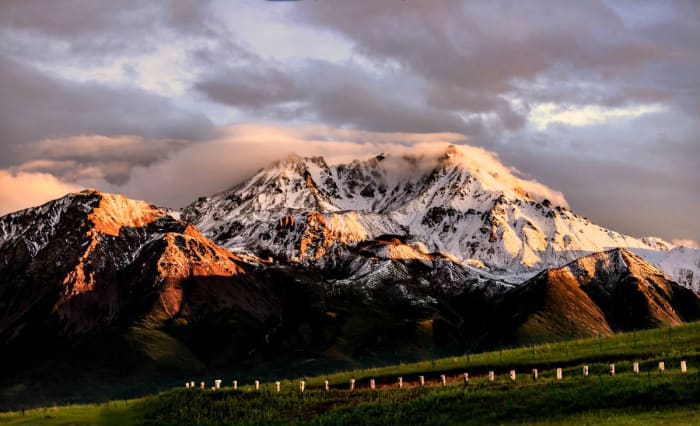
x: 206, y: 167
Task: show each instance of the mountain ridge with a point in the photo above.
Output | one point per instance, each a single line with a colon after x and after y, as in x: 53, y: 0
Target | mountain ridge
x: 483, y: 219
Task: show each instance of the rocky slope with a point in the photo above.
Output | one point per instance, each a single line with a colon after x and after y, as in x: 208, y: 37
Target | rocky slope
x: 81, y: 264
x: 600, y: 293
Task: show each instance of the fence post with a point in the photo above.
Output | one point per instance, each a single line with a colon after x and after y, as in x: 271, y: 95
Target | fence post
x: 560, y: 374
x: 372, y: 384
x: 534, y: 374
x: 443, y: 380
x: 235, y: 384
x: 277, y: 385
x: 684, y: 367
x: 217, y: 383
x: 257, y: 385
x: 421, y: 380
x: 302, y: 385
x: 327, y: 386
x: 466, y: 378
x: 512, y: 375
x: 635, y: 368
x: 585, y: 371
x: 662, y: 367
x: 352, y: 384
x: 400, y: 382
x: 612, y: 369
x: 492, y: 376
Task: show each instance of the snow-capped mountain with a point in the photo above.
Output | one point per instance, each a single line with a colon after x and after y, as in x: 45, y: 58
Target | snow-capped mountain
x: 305, y: 210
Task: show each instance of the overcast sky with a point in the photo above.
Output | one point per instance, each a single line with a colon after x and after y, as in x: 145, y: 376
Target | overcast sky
x: 170, y: 100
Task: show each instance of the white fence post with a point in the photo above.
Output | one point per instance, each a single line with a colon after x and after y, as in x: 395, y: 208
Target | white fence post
x: 612, y: 369
x: 327, y: 386
x: 421, y: 380
x: 443, y: 380
x: 585, y: 371
x: 372, y: 384
x: 534, y: 374
x: 352, y: 384
x: 466, y: 378
x: 684, y: 367
x: 235, y: 384
x: 302, y: 385
x: 635, y: 368
x: 492, y: 376
x: 257, y: 385
x: 277, y: 386
x: 560, y: 374
x: 400, y: 382
x: 662, y: 367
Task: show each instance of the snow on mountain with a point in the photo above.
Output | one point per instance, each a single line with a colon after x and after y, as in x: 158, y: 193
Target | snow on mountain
x: 308, y: 211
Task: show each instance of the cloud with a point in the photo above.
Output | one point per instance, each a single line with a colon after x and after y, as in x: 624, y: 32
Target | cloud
x: 96, y: 156
x: 36, y: 106
x: 686, y: 243
x: 239, y: 151
x: 22, y: 190
x: 544, y: 114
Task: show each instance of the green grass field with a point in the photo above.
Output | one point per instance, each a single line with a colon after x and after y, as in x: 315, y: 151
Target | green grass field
x: 648, y: 398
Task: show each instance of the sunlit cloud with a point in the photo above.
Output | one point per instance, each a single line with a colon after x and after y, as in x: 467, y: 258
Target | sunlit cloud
x: 22, y: 190
x: 685, y: 242
x: 544, y: 114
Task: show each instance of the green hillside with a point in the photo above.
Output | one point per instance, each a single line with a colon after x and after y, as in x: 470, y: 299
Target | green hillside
x: 626, y: 398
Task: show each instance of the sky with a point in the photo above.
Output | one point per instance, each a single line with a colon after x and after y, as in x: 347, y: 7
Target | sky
x: 171, y: 100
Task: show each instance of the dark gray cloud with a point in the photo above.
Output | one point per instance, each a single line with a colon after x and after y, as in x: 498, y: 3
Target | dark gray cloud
x: 87, y: 31
x: 476, y: 68
x: 36, y: 106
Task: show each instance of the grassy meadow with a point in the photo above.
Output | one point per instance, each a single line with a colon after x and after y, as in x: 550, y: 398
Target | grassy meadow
x: 626, y: 398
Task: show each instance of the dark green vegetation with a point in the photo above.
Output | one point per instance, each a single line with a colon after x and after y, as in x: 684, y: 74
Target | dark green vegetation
x: 650, y: 398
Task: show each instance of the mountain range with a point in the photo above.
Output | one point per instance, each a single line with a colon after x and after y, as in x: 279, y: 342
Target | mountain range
x: 316, y: 266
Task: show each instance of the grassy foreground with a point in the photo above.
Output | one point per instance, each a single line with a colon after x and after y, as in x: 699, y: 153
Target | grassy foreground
x: 649, y: 398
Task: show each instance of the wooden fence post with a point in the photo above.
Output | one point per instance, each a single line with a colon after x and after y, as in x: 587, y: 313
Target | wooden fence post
x: 585, y: 371
x: 635, y: 368
x: 421, y: 380
x: 612, y: 369
x: 443, y: 380
x: 684, y: 367
x: 534, y: 374
x: 560, y: 374
x: 662, y: 366
x: 277, y: 385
